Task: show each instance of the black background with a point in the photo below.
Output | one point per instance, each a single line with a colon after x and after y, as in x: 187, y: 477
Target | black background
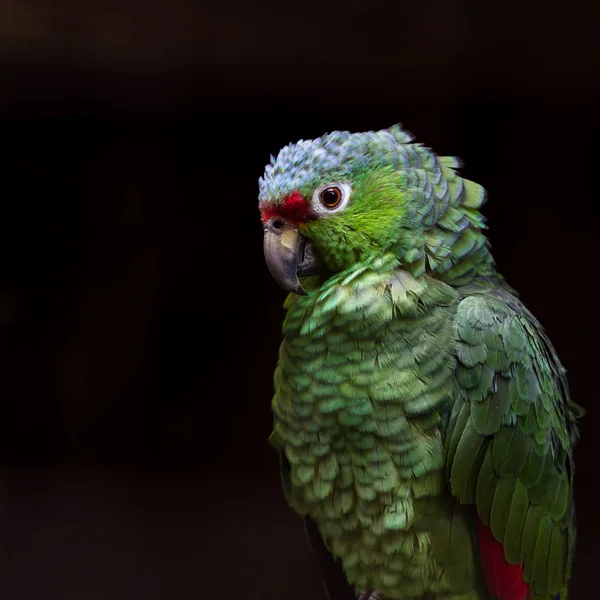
x: 138, y: 323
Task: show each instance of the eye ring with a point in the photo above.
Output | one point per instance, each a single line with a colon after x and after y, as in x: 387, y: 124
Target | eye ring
x: 331, y: 196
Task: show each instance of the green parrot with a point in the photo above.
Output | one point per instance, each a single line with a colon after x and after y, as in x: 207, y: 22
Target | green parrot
x: 421, y: 414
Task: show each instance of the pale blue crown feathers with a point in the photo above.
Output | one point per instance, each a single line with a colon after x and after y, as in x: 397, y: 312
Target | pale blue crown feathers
x: 336, y: 155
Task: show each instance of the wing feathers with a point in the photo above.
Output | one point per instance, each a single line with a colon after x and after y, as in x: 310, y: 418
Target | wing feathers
x: 509, y: 445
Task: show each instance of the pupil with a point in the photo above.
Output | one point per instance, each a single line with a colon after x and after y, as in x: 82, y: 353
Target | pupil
x: 331, y: 196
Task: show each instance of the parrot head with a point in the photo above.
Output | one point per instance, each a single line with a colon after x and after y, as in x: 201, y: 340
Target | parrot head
x: 345, y: 199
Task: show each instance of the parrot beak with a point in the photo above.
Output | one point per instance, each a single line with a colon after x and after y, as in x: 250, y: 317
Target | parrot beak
x: 288, y: 254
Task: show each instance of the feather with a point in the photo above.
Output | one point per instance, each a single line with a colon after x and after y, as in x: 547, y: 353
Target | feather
x: 505, y: 581
x: 542, y: 555
x: 558, y: 559
x: 513, y: 535
x: 467, y: 461
x: 486, y: 486
x: 501, y: 507
x: 457, y: 426
x: 509, y: 451
x: 488, y: 414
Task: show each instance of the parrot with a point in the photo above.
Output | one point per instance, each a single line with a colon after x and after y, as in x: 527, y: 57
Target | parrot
x: 421, y: 415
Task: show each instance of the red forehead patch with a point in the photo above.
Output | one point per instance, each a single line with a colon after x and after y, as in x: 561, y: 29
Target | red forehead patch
x: 294, y: 208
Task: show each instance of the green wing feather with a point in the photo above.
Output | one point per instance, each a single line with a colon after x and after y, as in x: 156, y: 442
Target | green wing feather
x: 510, y: 437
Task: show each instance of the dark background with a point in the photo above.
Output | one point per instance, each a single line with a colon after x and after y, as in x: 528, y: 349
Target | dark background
x: 138, y: 323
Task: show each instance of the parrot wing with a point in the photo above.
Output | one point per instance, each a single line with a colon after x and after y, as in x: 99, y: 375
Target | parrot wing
x: 508, y: 446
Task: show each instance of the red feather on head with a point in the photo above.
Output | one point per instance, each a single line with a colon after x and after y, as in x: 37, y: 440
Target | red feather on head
x: 293, y: 208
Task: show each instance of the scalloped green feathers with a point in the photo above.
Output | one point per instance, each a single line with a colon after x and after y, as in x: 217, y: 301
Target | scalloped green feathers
x: 510, y: 437
x: 365, y: 372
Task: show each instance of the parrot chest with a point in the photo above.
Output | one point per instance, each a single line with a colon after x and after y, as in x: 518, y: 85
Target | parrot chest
x: 363, y: 376
x: 365, y: 370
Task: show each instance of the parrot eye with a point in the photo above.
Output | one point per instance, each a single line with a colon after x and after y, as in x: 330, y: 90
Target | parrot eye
x: 330, y: 197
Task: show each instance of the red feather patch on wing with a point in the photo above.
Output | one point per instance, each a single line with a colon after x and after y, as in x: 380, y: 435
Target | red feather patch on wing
x: 505, y: 581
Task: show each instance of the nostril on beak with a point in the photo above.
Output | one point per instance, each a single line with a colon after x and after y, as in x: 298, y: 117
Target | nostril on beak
x: 277, y: 225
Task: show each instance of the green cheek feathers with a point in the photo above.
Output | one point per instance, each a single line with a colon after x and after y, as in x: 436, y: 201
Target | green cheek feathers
x: 368, y: 226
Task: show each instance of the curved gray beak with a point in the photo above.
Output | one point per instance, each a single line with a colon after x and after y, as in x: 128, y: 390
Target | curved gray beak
x: 288, y: 254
